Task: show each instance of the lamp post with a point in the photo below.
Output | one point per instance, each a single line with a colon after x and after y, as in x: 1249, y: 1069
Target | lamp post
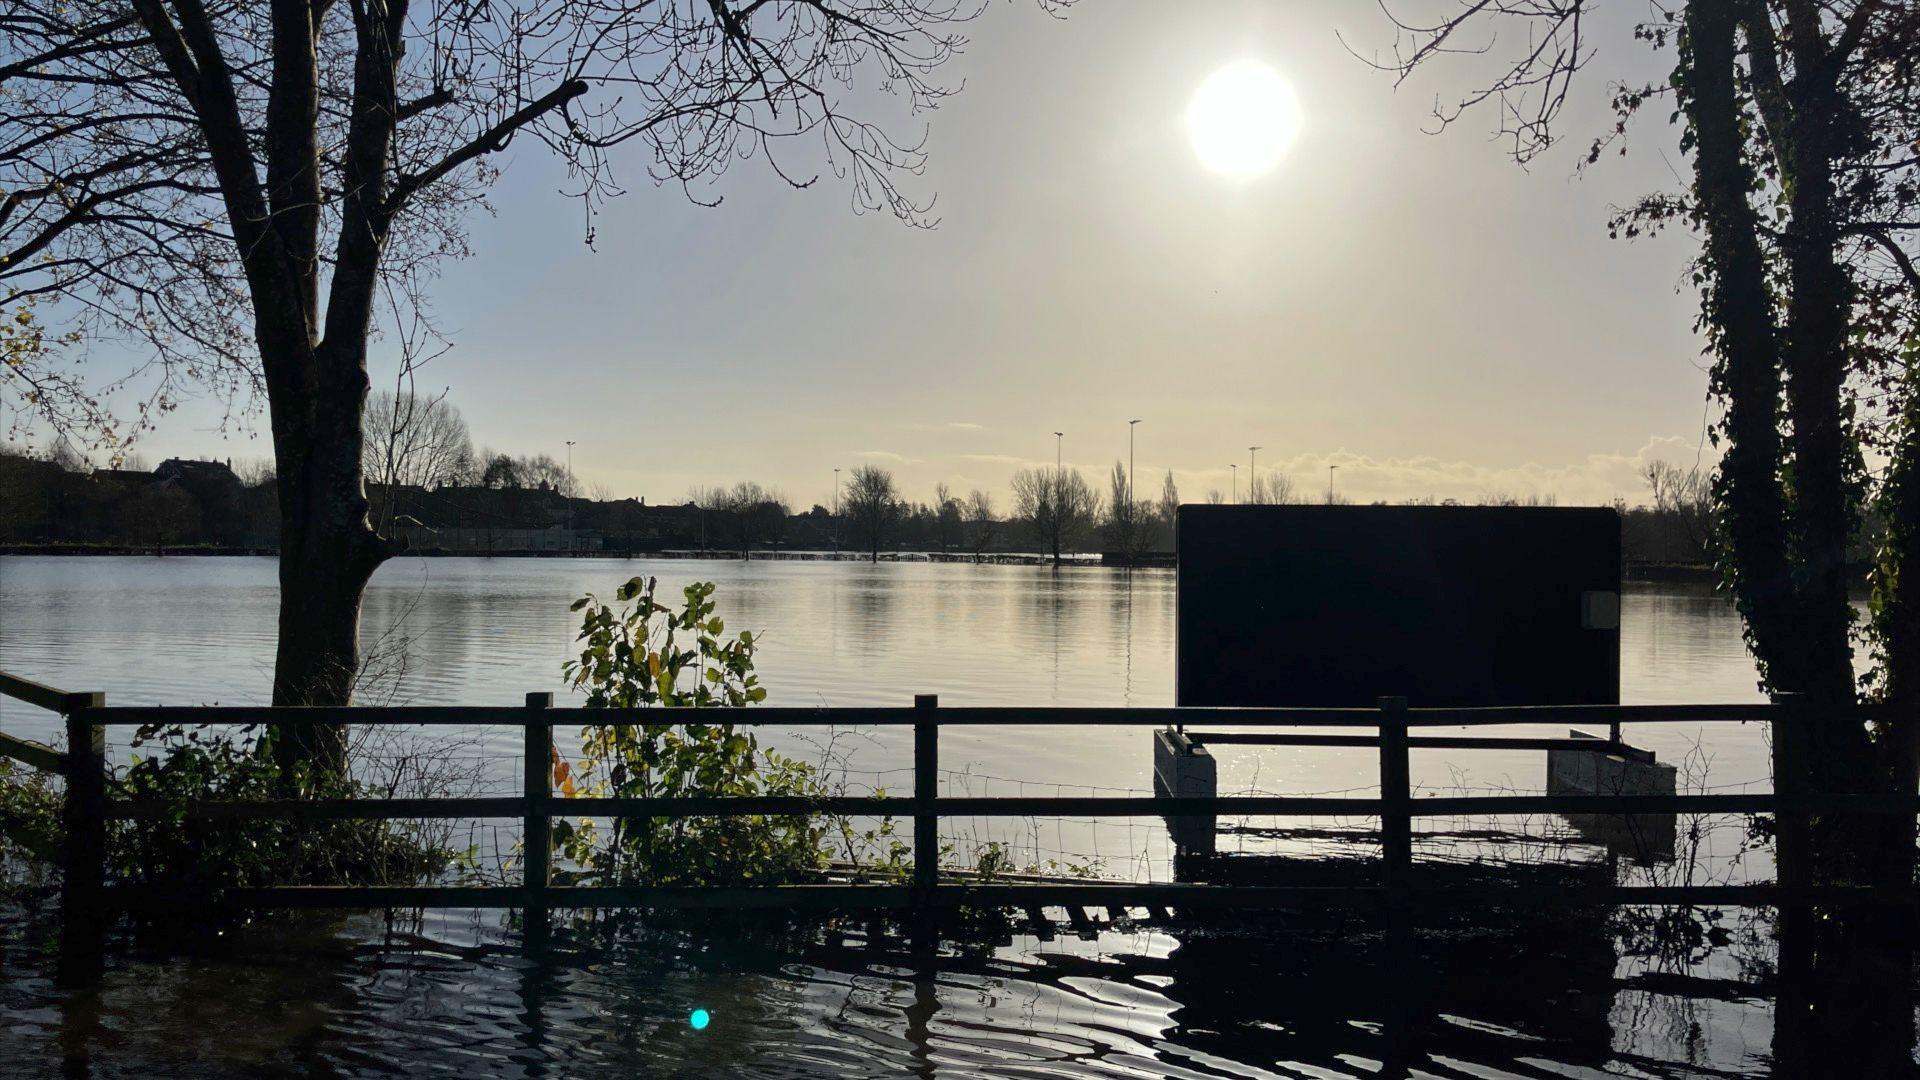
x: 1236, y: 481
x: 1131, y: 497
x: 569, y: 497
x: 1059, y: 485
x: 1253, y: 477
x: 836, y: 511
x: 1330, y: 469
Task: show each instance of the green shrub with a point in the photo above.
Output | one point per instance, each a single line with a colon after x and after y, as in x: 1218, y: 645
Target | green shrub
x: 29, y: 816
x: 647, y: 655
x: 195, y: 857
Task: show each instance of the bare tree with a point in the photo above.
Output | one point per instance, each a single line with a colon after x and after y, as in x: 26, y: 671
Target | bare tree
x: 1276, y: 489
x: 1167, y: 511
x: 253, y: 472
x: 744, y: 513
x: 982, y: 523
x: 1058, y: 506
x: 413, y: 441
x: 419, y: 441
x: 1685, y: 498
x: 871, y: 506
x: 68, y: 457
x: 949, y: 515
x: 245, y: 188
x: 1126, y: 517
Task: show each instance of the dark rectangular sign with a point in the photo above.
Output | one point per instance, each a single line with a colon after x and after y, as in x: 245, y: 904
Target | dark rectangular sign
x: 1446, y: 605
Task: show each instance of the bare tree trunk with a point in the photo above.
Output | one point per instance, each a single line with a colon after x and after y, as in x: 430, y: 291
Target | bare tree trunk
x: 328, y: 552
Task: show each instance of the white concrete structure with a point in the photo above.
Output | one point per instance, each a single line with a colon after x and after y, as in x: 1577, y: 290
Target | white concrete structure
x: 1182, y: 768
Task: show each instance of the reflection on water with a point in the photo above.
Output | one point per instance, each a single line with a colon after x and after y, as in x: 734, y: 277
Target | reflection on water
x: 1318, y: 999
x: 182, y: 631
x: 1562, y: 998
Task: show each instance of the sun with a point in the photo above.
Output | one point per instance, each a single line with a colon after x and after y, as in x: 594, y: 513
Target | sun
x: 1242, y: 119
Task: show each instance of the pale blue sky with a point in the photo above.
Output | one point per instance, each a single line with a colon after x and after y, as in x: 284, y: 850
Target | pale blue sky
x: 1415, y: 308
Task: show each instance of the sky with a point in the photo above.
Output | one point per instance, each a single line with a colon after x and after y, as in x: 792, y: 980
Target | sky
x: 1413, y: 308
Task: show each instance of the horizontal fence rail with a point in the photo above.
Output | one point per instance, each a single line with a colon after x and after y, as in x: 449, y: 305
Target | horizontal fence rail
x: 978, y: 716
x: 89, y: 809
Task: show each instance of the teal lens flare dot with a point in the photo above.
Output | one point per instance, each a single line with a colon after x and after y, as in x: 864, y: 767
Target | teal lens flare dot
x: 699, y: 1018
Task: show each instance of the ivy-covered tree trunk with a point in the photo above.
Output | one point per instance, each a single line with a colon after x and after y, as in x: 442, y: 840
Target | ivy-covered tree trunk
x: 1896, y: 616
x: 1817, y: 323
x: 1787, y: 488
x: 1737, y: 310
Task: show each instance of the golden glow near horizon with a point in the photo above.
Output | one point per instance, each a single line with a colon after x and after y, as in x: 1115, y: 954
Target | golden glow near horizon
x: 1242, y: 119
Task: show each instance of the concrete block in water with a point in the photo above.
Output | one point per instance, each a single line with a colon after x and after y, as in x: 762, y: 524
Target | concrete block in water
x: 1182, y: 768
x: 1642, y: 837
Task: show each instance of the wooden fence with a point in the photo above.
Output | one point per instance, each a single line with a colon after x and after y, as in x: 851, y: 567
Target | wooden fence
x: 1390, y: 727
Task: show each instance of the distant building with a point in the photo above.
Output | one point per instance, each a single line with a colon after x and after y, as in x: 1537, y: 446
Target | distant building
x: 191, y: 473
x: 217, y: 493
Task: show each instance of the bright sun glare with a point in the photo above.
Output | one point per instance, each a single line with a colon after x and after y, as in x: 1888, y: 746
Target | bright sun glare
x: 1242, y: 119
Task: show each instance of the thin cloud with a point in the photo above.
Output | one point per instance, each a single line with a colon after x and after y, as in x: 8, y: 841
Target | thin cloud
x: 1596, y: 479
x: 886, y: 455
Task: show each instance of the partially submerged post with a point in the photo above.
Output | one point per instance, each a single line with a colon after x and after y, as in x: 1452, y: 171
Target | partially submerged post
x: 1792, y: 857
x: 1396, y: 795
x: 926, y: 817
x: 536, y: 843
x: 84, y: 857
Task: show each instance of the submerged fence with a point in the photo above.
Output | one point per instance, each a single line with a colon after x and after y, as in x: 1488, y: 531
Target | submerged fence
x: 1390, y: 727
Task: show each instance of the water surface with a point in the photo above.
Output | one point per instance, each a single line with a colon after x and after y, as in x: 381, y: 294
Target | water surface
x: 332, y: 996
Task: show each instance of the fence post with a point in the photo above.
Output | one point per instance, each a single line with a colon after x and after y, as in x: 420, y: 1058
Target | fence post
x: 926, y: 789
x: 1792, y: 857
x: 84, y: 819
x: 1396, y: 798
x: 537, y: 827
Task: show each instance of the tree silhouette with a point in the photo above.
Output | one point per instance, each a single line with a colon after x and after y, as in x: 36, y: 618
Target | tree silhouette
x: 871, y: 506
x: 242, y: 189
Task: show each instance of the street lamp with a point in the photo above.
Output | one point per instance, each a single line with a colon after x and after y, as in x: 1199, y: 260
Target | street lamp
x: 1236, y: 481
x: 1253, y: 477
x: 569, y: 497
x: 1058, y: 436
x: 1130, y: 492
x: 1330, y: 469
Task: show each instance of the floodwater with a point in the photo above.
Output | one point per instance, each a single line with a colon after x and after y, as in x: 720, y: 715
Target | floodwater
x: 334, y: 996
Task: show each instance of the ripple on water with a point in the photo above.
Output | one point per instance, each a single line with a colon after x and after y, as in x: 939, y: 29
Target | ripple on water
x: 331, y: 997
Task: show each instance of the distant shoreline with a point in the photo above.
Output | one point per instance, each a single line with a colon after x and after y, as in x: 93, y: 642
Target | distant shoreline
x: 1687, y: 573
x: 1005, y: 558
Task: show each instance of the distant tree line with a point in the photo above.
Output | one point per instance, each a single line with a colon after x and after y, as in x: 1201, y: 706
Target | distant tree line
x: 56, y: 497
x: 424, y: 470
